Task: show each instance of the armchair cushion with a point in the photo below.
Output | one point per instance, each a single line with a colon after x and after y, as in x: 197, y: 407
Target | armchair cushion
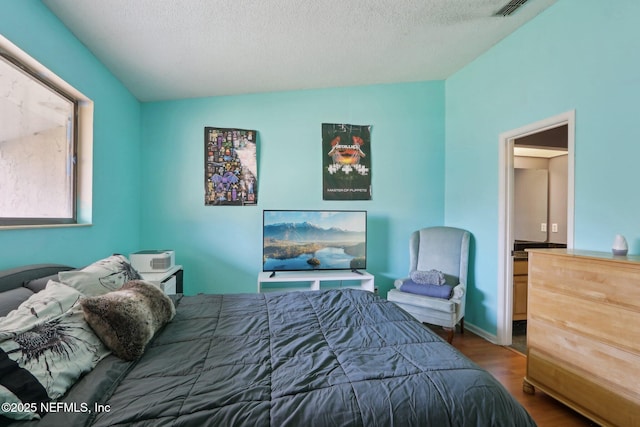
x: 422, y: 302
x: 429, y: 290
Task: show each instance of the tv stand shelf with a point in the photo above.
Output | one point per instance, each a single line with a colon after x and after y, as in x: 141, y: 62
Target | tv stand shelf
x: 313, y: 279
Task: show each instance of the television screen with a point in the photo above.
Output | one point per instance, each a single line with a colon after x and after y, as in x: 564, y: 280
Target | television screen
x: 314, y: 240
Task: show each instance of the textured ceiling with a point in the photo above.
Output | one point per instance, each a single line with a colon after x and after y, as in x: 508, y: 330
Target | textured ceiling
x: 172, y: 49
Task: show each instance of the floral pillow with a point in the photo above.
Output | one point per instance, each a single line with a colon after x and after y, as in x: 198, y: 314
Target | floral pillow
x: 101, y: 277
x: 45, y: 346
x: 51, y: 302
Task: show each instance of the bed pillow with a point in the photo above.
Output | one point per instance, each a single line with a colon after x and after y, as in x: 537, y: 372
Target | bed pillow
x: 430, y: 277
x: 101, y: 277
x: 53, y: 301
x: 435, y: 291
x: 36, y: 285
x: 45, y: 346
x: 127, y: 319
x: 12, y: 298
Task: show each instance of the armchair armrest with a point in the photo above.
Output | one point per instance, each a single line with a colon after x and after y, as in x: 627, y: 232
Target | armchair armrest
x: 398, y: 282
x: 458, y: 292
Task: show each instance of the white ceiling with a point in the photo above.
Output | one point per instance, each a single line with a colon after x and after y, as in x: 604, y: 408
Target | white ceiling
x: 172, y: 49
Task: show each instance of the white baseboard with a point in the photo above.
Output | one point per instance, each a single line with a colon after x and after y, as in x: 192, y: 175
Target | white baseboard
x: 492, y: 338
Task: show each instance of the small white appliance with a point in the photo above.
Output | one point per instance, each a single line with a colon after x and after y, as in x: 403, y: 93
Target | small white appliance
x: 152, y: 261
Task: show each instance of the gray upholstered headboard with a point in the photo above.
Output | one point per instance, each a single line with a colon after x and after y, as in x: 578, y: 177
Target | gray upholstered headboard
x: 18, y: 284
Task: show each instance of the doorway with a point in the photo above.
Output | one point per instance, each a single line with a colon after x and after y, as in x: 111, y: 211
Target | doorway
x: 527, y: 136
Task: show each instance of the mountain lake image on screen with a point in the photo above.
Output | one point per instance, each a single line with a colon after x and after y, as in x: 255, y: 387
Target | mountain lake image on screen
x: 295, y: 240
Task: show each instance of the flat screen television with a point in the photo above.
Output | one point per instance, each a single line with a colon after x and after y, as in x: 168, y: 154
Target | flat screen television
x: 297, y: 240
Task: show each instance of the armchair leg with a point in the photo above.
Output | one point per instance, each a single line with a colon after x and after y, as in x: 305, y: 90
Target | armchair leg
x: 450, y: 332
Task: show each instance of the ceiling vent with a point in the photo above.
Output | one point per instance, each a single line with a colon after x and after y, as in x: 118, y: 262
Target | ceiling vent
x: 510, y: 8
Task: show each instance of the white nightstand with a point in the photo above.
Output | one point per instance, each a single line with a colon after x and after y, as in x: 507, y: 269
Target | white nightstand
x: 169, y: 281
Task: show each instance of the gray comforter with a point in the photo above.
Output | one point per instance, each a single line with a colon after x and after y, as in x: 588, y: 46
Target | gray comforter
x: 326, y: 358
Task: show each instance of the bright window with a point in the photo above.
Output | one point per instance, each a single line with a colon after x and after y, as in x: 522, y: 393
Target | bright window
x: 41, y: 177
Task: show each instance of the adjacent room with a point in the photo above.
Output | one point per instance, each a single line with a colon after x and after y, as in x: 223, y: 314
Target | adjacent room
x: 206, y: 133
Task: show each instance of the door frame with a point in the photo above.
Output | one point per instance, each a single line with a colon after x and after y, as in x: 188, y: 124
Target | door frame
x: 505, y: 214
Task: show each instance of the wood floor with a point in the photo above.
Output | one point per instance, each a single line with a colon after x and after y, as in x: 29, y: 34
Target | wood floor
x: 509, y: 367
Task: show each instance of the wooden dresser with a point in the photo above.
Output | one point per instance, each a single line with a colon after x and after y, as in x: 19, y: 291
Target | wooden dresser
x: 583, y: 332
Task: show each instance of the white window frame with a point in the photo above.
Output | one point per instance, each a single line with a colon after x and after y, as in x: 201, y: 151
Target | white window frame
x: 84, y: 141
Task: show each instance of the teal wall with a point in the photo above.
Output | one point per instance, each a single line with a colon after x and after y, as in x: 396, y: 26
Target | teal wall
x: 578, y: 54
x: 116, y: 150
x: 148, y: 184
x: 220, y: 246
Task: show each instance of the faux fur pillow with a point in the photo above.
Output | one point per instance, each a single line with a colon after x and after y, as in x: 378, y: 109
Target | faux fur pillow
x: 127, y: 319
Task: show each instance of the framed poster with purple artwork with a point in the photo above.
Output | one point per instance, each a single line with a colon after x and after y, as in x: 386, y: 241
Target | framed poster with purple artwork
x: 230, y: 169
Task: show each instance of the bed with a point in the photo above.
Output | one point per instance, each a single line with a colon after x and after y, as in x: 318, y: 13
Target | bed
x: 340, y: 357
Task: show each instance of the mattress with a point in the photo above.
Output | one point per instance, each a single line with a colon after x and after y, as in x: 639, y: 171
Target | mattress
x: 324, y: 358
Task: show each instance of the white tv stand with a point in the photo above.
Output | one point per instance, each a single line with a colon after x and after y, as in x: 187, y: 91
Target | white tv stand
x: 314, y: 278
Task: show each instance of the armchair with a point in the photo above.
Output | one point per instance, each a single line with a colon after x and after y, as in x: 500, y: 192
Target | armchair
x: 445, y: 249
